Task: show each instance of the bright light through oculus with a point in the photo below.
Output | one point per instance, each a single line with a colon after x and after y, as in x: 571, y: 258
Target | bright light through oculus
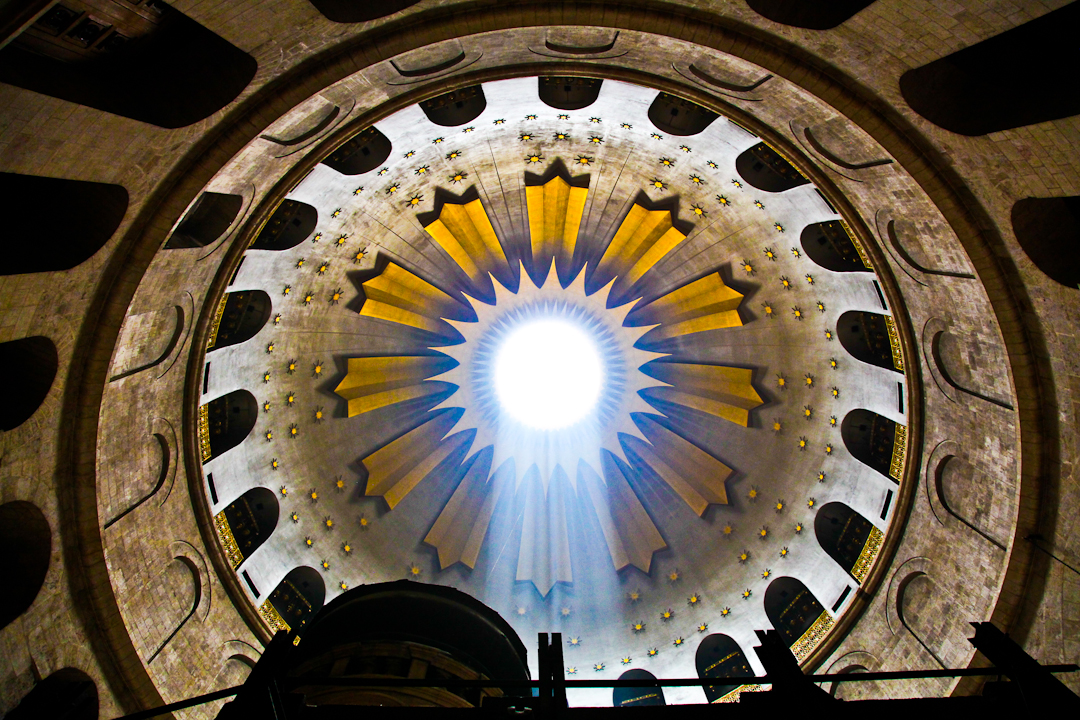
x: 548, y: 374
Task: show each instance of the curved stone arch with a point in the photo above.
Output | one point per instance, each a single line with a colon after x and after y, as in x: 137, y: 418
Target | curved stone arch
x: 26, y: 545
x: 206, y: 221
x: 182, y: 549
x: 823, y: 15
x: 149, y: 339
x: 188, y: 594
x: 568, y: 93
x: 166, y: 468
x: 851, y: 662
x: 918, y: 564
x: 35, y: 362
x: 901, y: 241
x: 947, y: 357
x: 676, y: 116
x: 767, y: 170
x: 946, y: 454
x: 921, y: 579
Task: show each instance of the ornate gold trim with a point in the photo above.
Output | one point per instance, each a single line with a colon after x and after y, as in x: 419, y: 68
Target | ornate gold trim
x: 228, y: 542
x: 868, y: 555
x: 894, y: 343
x: 810, y: 639
x: 272, y: 617
x: 733, y: 696
x: 216, y: 325
x: 858, y: 245
x: 204, y: 432
x: 899, y: 453
x: 786, y: 158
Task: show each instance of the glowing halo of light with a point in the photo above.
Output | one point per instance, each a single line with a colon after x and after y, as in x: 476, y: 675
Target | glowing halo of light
x: 548, y: 374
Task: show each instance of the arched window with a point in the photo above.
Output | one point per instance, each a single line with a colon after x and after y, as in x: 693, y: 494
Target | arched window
x: 569, y: 93
x: 351, y: 11
x: 361, y: 153
x: 79, y: 218
x: 242, y: 317
x: 868, y: 336
x: 768, y: 170
x: 848, y: 538
x: 225, y: 422
x: 1007, y: 81
x: 67, y: 694
x: 792, y: 608
x: 637, y: 696
x: 26, y: 544
x: 291, y: 224
x: 247, y: 522
x: 676, y: 116
x: 719, y: 656
x: 455, y: 108
x: 819, y: 15
x: 206, y: 221
x: 831, y: 246
x: 296, y: 599
x: 148, y: 61
x: 32, y: 364
x: 875, y: 441
x: 1048, y: 229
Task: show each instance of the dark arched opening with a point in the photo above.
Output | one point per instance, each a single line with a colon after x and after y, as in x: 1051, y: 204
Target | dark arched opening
x: 873, y: 440
x: 792, y: 608
x: 147, y: 62
x: 80, y: 218
x: 843, y: 534
x: 719, y: 656
x: 1010, y: 80
x: 768, y: 170
x: 26, y: 544
x: 250, y: 520
x: 1048, y: 230
x: 298, y: 597
x: 291, y: 224
x: 206, y: 221
x: 455, y: 108
x: 569, y: 93
x: 32, y: 364
x: 677, y: 116
x: 229, y: 420
x: 244, y: 315
x: 637, y: 696
x: 821, y: 15
x: 361, y: 153
x: 867, y: 336
x: 67, y: 694
x: 831, y: 246
x: 351, y: 11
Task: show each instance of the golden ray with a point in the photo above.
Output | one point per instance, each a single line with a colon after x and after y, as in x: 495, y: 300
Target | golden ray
x: 705, y: 304
x: 695, y: 475
x: 459, y: 530
x: 629, y: 532
x: 465, y: 233
x: 399, y: 296
x: 724, y: 392
x: 642, y: 240
x: 374, y: 383
x: 399, y: 466
x: 544, y: 552
x: 555, y: 210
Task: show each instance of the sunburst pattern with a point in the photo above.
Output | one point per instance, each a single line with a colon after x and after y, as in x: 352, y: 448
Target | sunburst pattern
x: 552, y: 468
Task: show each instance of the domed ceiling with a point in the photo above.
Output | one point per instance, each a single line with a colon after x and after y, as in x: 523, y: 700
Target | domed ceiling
x: 740, y: 462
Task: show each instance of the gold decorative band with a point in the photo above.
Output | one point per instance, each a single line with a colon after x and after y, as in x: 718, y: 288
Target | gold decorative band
x: 813, y: 636
x: 272, y: 617
x: 894, y: 343
x: 212, y: 339
x: 868, y: 554
x: 899, y: 453
x: 858, y: 245
x: 204, y: 432
x: 733, y: 696
x: 232, y: 550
